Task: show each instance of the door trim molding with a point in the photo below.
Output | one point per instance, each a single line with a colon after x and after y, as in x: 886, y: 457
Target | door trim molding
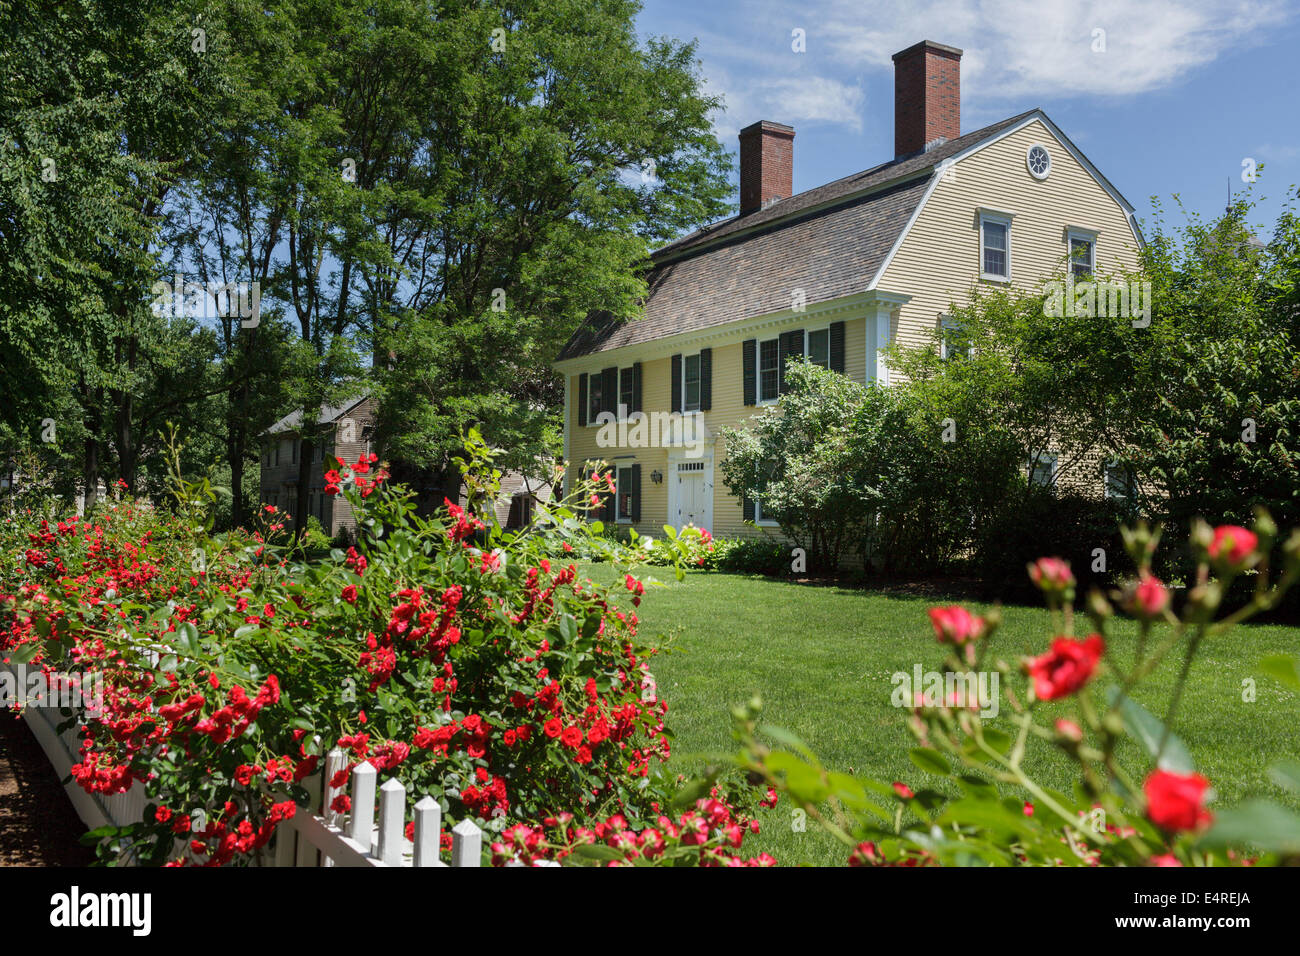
x: 679, y: 456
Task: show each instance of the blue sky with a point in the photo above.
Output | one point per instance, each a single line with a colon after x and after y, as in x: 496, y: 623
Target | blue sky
x: 1181, y: 95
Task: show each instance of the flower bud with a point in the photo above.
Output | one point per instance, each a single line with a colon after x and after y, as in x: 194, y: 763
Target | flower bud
x: 1053, y: 577
x: 1069, y: 731
x: 1146, y: 598
x: 1140, y: 543
x: 1232, y: 549
x: 1099, y: 608
x: 1291, y: 550
x: 1203, y: 600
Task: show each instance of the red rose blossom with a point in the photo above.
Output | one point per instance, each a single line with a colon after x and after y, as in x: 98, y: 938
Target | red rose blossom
x: 1232, y: 544
x: 1051, y: 574
x: 1066, y: 667
x: 1175, y: 801
x: 1150, y: 597
x: 955, y: 624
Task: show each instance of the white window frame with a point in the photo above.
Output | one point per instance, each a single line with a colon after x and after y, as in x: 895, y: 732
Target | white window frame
x: 1029, y: 150
x: 758, y: 360
x: 699, y: 382
x: 1089, y: 236
x: 1049, y: 458
x: 760, y: 520
x: 625, y: 408
x: 593, y: 379
x: 996, y: 217
x: 807, y: 343
x: 948, y: 324
x: 1105, y: 481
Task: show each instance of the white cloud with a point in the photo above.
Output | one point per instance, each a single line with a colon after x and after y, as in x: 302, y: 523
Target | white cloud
x: 1017, y: 54
x: 796, y: 100
x: 1016, y: 50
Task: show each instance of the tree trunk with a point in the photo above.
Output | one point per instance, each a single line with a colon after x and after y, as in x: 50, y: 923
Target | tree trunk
x: 90, y: 469
x: 300, y: 512
x: 127, y: 452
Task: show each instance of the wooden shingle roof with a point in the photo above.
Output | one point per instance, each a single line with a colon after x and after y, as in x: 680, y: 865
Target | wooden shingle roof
x: 829, y: 241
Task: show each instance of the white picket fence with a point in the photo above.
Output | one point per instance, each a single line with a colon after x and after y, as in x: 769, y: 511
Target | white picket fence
x: 63, y: 750
x: 319, y: 836
x: 315, y: 835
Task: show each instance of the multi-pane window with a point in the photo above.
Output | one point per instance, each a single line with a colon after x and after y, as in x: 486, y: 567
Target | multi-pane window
x: 691, y: 383
x: 995, y: 248
x: 1042, y: 470
x: 819, y: 347
x: 1119, y: 481
x: 1082, y: 256
x: 769, y: 370
x: 956, y: 342
x: 593, y: 398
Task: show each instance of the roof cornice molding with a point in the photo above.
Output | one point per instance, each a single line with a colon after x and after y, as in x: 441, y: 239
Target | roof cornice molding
x: 730, y: 332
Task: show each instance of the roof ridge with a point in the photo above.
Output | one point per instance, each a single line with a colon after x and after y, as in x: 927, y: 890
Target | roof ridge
x: 704, y: 233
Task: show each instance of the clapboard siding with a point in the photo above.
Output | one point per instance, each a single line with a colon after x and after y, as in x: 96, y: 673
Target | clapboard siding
x: 938, y: 262
x: 728, y: 408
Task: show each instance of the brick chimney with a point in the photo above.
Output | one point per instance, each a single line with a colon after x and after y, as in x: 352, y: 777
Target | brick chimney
x: 927, y: 96
x: 766, y: 164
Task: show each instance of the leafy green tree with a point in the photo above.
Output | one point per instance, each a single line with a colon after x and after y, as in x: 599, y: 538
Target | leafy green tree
x: 1214, y: 401
x: 555, y: 150
x: 800, y: 462
x: 98, y: 121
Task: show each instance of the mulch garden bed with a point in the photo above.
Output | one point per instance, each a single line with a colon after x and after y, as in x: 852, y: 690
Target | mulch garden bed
x: 38, y: 825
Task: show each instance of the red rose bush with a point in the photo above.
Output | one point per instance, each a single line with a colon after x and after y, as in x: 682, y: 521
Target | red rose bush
x: 474, y: 665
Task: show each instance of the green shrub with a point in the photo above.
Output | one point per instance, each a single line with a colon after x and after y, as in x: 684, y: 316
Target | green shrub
x: 1041, y: 521
x: 753, y: 556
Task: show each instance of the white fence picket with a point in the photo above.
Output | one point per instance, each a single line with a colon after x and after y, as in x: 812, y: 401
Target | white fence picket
x: 428, y: 833
x: 392, y: 819
x: 361, y: 823
x: 466, y: 844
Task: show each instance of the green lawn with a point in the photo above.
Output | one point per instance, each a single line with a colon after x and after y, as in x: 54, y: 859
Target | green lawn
x: 822, y: 657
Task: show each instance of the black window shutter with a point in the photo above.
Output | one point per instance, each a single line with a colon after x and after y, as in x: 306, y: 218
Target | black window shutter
x: 706, y: 379
x: 749, y: 362
x: 636, y: 493
x: 611, y: 499
x: 747, y: 507
x: 582, y: 399
x: 677, y: 383
x: 837, y: 347
x: 609, y: 390
x: 790, y: 344
x: 636, y: 387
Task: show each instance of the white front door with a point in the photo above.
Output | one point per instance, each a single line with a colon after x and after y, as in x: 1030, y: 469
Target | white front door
x: 693, y: 482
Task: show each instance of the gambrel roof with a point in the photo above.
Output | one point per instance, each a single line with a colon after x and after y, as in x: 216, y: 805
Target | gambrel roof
x: 830, y: 242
